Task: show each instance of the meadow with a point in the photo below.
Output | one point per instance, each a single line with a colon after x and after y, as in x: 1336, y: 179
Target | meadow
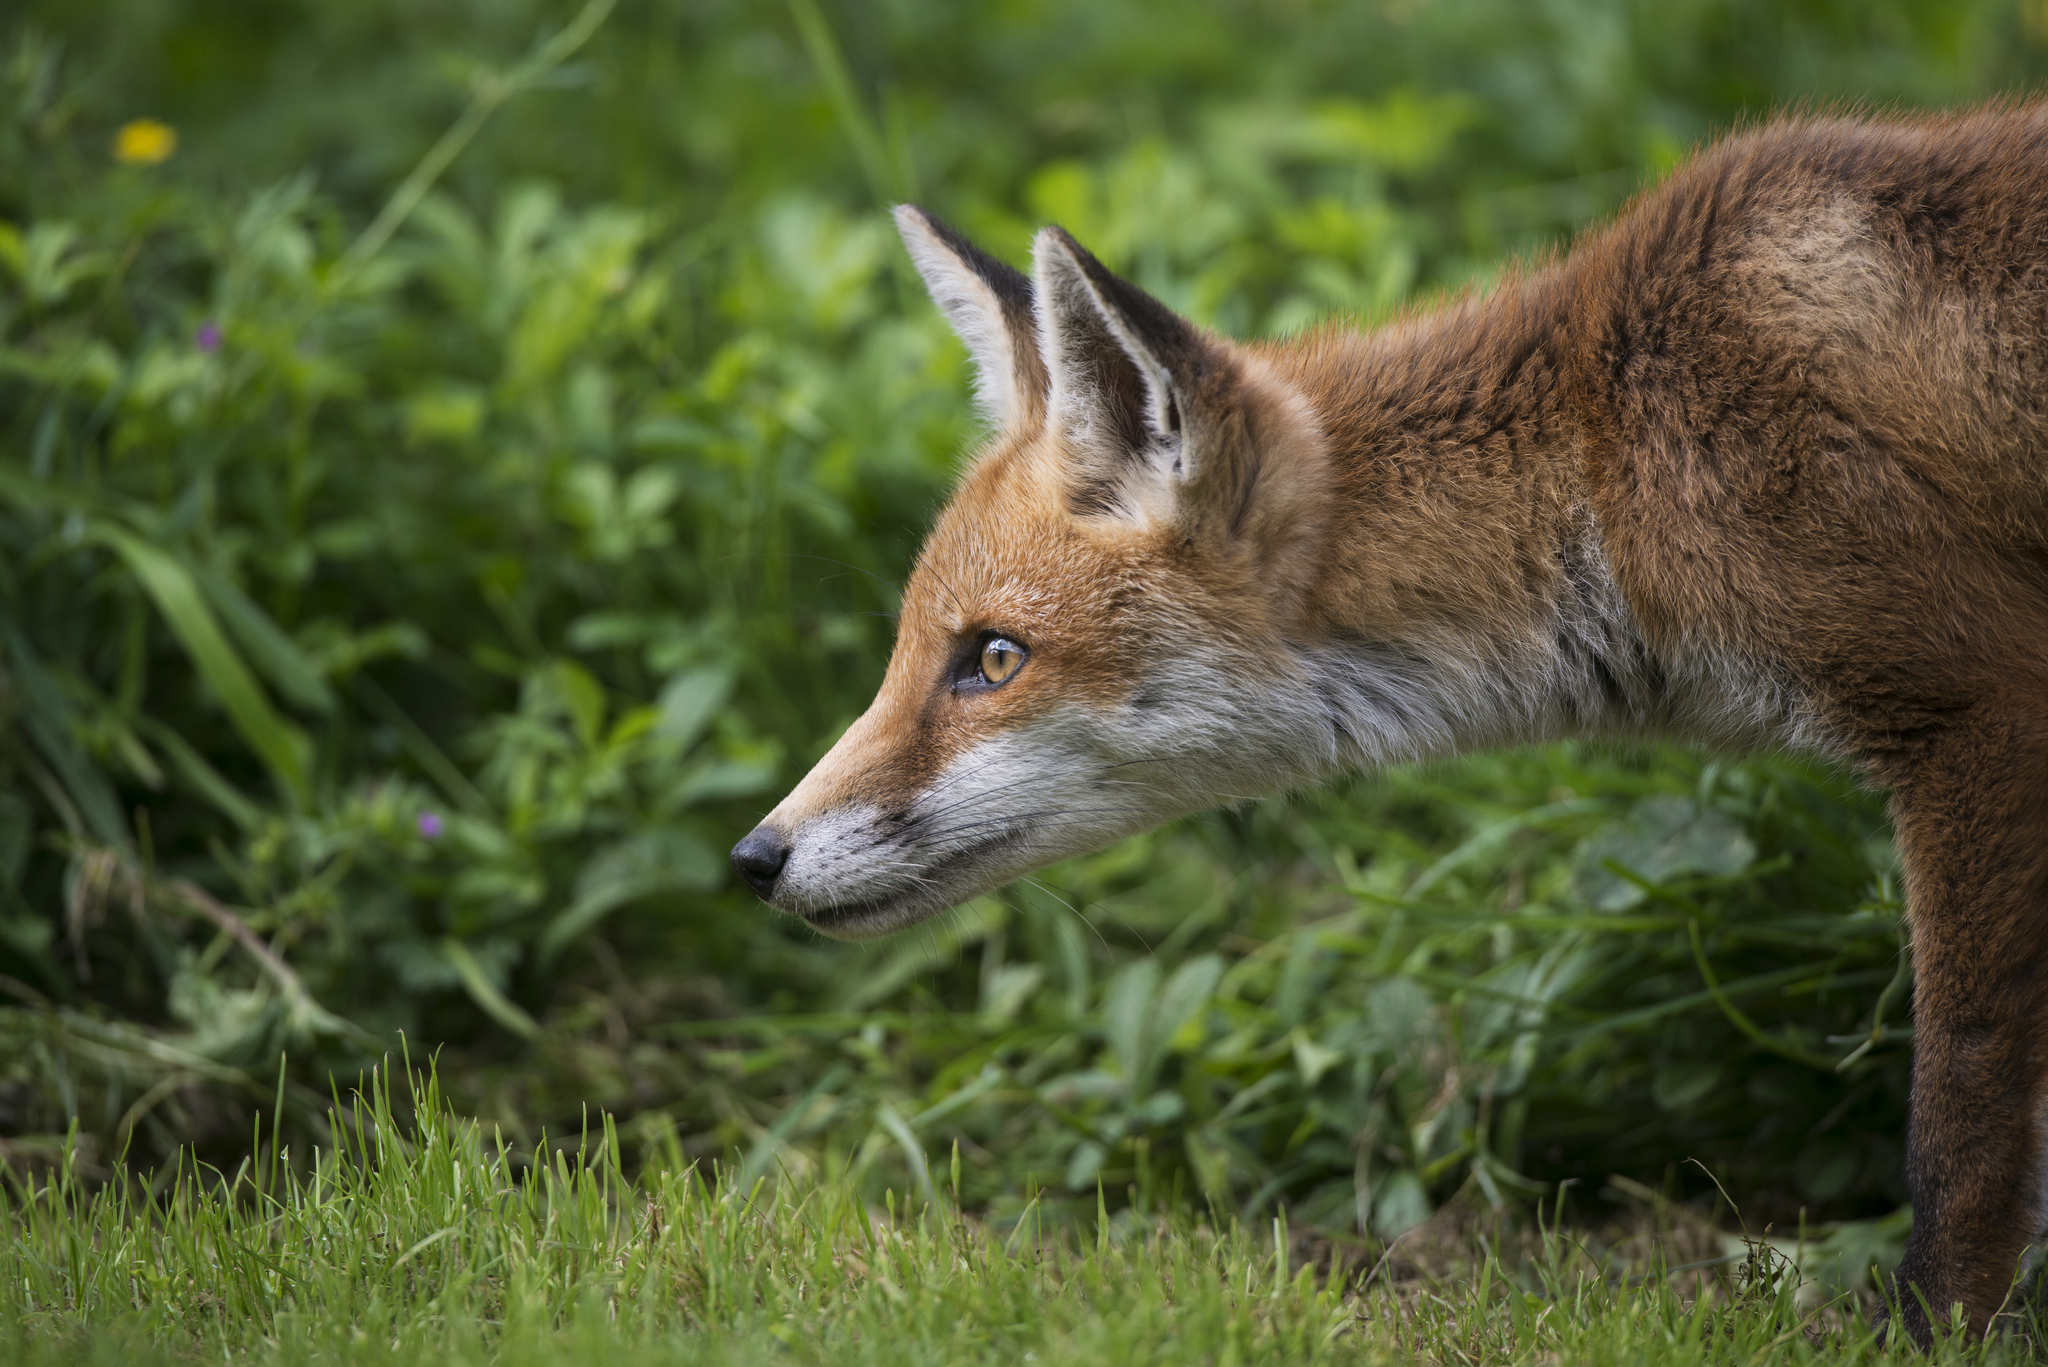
x: 456, y: 460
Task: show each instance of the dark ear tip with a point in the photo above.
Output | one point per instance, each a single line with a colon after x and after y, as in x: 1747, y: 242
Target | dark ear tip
x: 1057, y: 249
x: 1064, y: 239
x: 1081, y: 257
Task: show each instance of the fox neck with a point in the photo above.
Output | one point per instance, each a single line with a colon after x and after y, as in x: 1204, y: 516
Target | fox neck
x: 1463, y: 597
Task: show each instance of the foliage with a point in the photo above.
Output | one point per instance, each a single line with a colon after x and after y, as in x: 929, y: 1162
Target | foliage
x: 1710, y: 952
x: 445, y: 1245
x: 427, y: 540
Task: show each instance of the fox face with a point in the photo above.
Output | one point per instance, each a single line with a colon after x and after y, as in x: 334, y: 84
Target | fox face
x: 1168, y: 583
x: 1093, y: 636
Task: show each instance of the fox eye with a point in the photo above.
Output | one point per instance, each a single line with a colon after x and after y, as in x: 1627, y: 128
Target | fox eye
x: 1000, y: 658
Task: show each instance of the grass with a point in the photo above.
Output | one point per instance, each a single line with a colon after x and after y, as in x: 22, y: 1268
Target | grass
x: 432, y: 1242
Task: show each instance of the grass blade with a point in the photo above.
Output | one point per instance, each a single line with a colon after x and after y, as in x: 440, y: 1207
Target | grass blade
x: 283, y: 746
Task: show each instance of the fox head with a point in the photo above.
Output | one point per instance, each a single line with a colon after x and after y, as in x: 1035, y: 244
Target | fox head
x: 1093, y: 635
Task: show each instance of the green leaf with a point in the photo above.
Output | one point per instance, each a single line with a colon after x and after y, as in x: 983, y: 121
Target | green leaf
x: 716, y: 781
x: 667, y: 433
x: 28, y: 936
x: 485, y: 993
x: 202, y: 777
x: 1662, y: 838
x: 276, y: 655
x: 1126, y: 1005
x: 283, y: 746
x: 1400, y: 1204
x: 17, y: 824
x: 914, y: 955
x: 913, y: 1152
x: 1845, y: 1258
x: 1679, y: 1084
x: 688, y: 703
x: 664, y: 859
x: 1185, y: 993
x: 1211, y: 1162
x: 1399, y: 1010
x: 1004, y: 991
x: 581, y: 698
x: 47, y: 719
x: 1082, y: 1165
x: 1311, y: 1059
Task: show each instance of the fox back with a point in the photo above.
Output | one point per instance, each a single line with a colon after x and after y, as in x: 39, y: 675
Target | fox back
x: 1759, y: 464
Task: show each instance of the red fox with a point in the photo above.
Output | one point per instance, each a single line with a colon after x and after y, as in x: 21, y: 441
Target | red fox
x: 1764, y: 462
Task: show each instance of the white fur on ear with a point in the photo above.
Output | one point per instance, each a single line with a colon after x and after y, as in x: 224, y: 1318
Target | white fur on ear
x: 1076, y: 318
x: 974, y: 309
x: 1090, y: 348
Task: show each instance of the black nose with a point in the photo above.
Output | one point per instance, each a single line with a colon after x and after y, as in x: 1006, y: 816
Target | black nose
x: 759, y: 858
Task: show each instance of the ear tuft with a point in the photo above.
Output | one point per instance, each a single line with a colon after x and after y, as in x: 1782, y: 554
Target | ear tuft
x: 989, y: 305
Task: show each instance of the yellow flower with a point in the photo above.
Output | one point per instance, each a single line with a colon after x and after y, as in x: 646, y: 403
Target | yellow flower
x: 145, y: 142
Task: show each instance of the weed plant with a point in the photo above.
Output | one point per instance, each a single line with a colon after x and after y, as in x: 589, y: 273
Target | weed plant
x: 453, y: 472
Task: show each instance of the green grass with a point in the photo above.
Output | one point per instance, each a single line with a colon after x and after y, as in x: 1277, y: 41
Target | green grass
x: 437, y: 1243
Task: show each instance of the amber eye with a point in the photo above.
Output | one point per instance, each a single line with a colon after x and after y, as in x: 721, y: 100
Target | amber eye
x: 1000, y: 658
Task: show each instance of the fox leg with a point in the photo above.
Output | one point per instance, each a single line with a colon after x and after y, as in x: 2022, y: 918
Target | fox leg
x: 1971, y: 813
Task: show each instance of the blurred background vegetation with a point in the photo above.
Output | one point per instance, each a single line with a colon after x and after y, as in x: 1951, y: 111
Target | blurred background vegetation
x: 455, y: 461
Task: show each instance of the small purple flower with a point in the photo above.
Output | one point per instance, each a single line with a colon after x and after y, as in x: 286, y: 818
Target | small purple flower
x: 208, y: 336
x: 430, y: 826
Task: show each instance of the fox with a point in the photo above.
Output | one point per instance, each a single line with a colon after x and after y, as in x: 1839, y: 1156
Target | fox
x: 1762, y: 462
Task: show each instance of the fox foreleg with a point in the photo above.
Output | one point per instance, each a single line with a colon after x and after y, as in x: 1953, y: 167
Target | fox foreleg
x: 1972, y: 823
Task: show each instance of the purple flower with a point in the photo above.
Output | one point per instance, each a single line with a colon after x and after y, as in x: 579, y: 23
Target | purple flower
x: 429, y: 826
x: 208, y: 336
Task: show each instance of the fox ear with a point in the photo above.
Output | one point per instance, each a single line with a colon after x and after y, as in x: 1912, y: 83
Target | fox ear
x: 1146, y: 401
x: 989, y: 305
